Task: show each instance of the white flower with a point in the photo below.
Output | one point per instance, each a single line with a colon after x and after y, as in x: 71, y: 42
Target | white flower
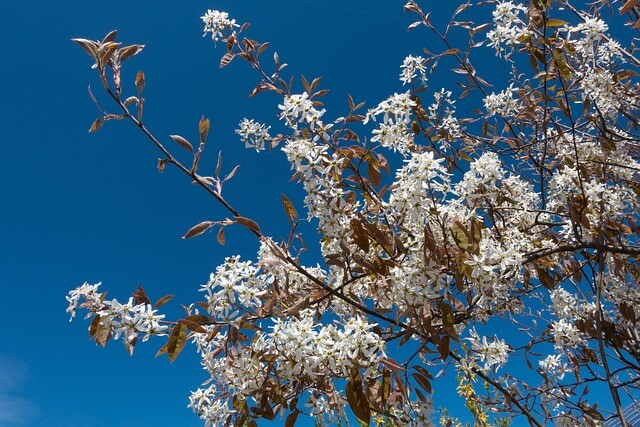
x: 411, y: 66
x: 216, y: 23
x: 494, y: 353
x: 553, y: 366
x: 502, y: 103
x: 509, y: 29
x: 298, y: 108
x: 92, y: 299
x: 566, y: 334
x: 253, y: 134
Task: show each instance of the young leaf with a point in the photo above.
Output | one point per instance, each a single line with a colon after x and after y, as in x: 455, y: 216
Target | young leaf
x: 130, y: 51
x: 182, y: 142
x: 162, y: 301
x: 220, y: 236
x: 250, y: 224
x: 140, y: 296
x: 628, y: 6
x: 197, y: 230
x: 292, y: 214
x: 140, y: 83
x: 97, y: 124
x: 177, y: 340
x: 203, y: 127
x: 357, y: 401
x: 226, y: 59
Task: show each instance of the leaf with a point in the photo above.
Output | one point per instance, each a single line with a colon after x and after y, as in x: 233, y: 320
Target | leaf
x: 556, y: 23
x: 162, y: 351
x: 226, y: 59
x: 182, y: 142
x: 140, y: 83
x: 628, y: 6
x: 448, y: 317
x: 220, y: 236
x: 460, y: 235
x: 177, y: 340
x: 203, y: 127
x: 89, y: 46
x: 231, y: 174
x: 197, y: 230
x: 110, y: 37
x: 161, y: 165
x: 199, y: 318
x: 360, y: 236
x: 140, y: 296
x: 250, y: 224
x: 290, y: 210
x: 357, y: 401
x: 444, y: 347
x: 93, y: 328
x: 291, y: 418
x: 423, y: 382
x: 130, y: 51
x: 97, y: 124
x: 374, y: 175
x: 162, y: 301
x: 193, y: 325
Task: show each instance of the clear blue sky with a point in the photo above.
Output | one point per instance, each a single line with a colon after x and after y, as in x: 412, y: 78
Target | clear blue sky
x: 79, y: 207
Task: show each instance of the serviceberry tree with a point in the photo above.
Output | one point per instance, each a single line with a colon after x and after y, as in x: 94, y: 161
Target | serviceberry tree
x: 488, y: 230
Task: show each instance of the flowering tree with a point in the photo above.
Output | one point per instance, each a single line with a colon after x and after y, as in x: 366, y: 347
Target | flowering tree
x: 502, y: 249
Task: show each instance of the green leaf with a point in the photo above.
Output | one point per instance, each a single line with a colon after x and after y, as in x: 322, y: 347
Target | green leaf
x: 556, y: 23
x: 459, y: 234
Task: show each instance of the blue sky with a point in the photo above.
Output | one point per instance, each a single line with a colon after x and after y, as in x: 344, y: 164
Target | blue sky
x: 80, y: 207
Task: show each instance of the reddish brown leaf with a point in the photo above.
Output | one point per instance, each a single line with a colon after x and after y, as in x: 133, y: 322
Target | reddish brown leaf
x: 250, y: 224
x: 226, y: 59
x: 162, y: 301
x: 291, y: 419
x: 198, y: 229
x: 628, y: 6
x: 220, y: 236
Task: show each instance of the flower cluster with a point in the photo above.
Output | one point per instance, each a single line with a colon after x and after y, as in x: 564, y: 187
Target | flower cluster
x: 442, y: 116
x: 116, y: 319
x: 254, y: 135
x: 234, y: 286
x: 392, y: 131
x: 298, y: 108
x: 494, y: 353
x: 503, y: 103
x: 411, y: 67
x: 218, y: 24
x: 510, y: 29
